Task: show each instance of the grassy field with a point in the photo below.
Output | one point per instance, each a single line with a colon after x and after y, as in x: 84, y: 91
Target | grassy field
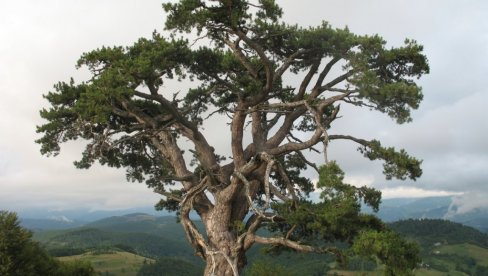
x: 431, y: 272
x: 418, y: 272
x: 354, y: 273
x: 118, y: 263
x: 465, y: 249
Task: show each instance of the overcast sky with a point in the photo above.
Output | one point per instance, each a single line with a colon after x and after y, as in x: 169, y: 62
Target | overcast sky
x: 42, y: 40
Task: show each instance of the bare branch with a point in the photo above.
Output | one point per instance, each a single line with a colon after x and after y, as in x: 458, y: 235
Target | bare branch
x: 313, y: 165
x: 348, y: 137
x: 296, y: 139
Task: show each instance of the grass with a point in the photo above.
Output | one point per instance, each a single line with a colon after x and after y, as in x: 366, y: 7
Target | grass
x: 355, y: 273
x: 117, y: 263
x: 478, y: 253
x: 431, y: 272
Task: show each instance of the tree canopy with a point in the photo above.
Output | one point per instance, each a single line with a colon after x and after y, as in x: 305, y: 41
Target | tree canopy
x: 130, y: 120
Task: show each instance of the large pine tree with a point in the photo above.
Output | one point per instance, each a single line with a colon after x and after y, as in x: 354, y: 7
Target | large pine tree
x: 132, y: 121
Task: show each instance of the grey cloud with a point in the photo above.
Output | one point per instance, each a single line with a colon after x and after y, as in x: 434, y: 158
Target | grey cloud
x: 43, y: 40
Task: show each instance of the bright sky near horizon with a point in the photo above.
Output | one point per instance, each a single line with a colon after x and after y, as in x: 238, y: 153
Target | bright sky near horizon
x: 42, y: 40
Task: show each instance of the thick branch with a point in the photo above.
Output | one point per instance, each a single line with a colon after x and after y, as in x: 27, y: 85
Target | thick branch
x: 293, y: 245
x: 287, y: 125
x: 258, y: 132
x: 237, y: 130
x: 190, y: 130
x: 348, y: 137
x: 195, y: 238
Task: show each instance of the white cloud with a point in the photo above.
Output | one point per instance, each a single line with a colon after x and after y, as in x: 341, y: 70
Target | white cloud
x: 413, y: 192
x: 468, y: 202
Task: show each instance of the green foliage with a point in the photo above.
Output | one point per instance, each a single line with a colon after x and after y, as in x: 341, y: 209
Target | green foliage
x: 397, y: 164
x: 75, y: 268
x: 65, y: 251
x: 170, y: 266
x: 430, y: 231
x: 399, y: 256
x: 267, y: 269
x: 19, y: 255
x: 446, y: 246
x: 336, y: 217
x: 143, y: 244
x: 333, y: 188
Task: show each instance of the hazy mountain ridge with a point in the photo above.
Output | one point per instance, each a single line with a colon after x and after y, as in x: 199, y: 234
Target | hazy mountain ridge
x: 35, y: 224
x: 390, y: 210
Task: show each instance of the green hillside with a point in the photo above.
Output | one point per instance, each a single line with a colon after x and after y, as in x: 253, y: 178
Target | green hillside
x: 112, y: 263
x: 430, y: 231
x: 446, y: 248
x: 166, y: 226
x: 141, y: 243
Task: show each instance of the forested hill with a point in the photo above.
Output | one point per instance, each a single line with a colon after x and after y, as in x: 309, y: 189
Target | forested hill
x: 430, y: 231
x: 445, y: 246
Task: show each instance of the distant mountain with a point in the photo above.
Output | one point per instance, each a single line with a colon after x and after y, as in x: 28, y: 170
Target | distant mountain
x: 166, y: 226
x: 140, y: 243
x: 50, y: 223
x: 85, y: 215
x: 390, y: 210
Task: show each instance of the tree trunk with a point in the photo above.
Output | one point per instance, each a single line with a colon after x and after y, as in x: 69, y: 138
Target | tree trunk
x: 218, y: 265
x: 223, y: 256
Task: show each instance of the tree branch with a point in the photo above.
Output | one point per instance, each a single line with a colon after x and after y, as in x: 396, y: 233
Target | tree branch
x: 306, y: 80
x: 286, y: 64
x: 293, y: 245
x: 325, y: 72
x: 264, y: 59
x: 242, y: 58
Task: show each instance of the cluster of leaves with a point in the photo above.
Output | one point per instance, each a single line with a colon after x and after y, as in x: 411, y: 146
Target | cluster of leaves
x: 398, y: 164
x: 399, y: 256
x: 337, y: 218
